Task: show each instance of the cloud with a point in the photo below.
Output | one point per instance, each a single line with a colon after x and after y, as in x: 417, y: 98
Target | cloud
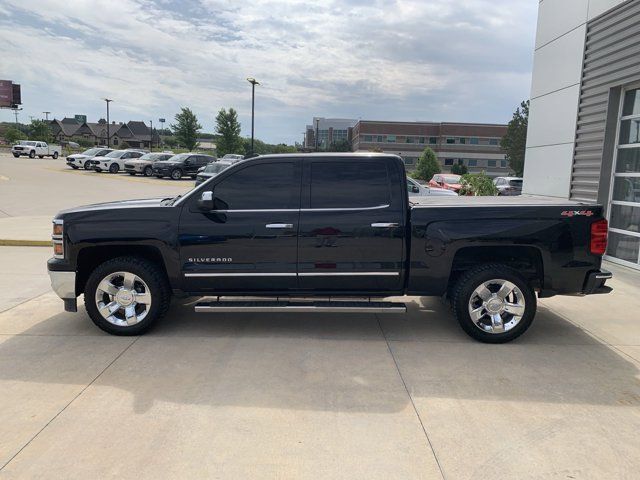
x: 398, y: 60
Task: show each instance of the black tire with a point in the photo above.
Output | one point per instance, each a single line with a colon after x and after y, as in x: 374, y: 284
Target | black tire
x: 176, y: 174
x: 114, y: 168
x: 159, y: 176
x: 132, y: 173
x: 87, y: 165
x: 464, y: 290
x: 147, y: 271
x: 32, y: 154
x: 74, y: 167
x: 16, y: 155
x: 55, y: 155
x: 40, y: 156
x: 148, y: 171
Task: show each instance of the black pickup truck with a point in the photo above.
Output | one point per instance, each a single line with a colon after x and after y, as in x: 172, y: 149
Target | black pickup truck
x: 326, y: 233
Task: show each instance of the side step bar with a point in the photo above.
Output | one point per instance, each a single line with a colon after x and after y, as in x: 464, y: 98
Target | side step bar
x: 297, y: 306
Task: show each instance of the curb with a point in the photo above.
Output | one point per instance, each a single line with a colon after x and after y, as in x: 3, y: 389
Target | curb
x: 25, y: 243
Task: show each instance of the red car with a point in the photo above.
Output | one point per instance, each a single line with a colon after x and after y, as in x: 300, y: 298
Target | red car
x: 447, y: 180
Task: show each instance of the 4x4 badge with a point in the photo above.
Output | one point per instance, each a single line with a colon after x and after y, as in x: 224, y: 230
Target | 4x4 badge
x: 576, y: 213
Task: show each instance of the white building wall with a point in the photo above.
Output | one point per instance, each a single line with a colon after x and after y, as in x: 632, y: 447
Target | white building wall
x: 555, y: 91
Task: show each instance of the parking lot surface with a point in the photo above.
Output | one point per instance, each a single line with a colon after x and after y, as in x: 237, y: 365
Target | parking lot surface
x: 309, y: 395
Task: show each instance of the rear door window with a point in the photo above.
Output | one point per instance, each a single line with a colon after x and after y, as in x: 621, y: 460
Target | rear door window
x: 349, y: 184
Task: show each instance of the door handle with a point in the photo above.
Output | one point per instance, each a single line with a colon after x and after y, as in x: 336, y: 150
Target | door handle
x: 385, y: 225
x: 279, y: 225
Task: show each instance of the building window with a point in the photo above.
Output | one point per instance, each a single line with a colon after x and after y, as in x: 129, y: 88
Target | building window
x: 408, y: 160
x: 410, y: 139
x: 491, y: 163
x: 493, y: 141
x: 421, y: 140
x: 462, y: 140
x: 368, y: 138
x: 391, y: 139
x: 503, y: 163
x: 379, y: 139
x: 473, y: 162
x: 473, y: 140
x: 433, y: 140
x: 448, y: 161
x: 624, y: 207
x: 451, y: 140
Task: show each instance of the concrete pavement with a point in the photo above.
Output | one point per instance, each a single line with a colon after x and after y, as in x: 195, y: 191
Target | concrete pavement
x: 320, y: 396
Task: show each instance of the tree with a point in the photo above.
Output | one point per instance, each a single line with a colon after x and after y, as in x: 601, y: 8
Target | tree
x: 427, y: 165
x: 228, y: 129
x: 40, y: 130
x: 477, y: 184
x: 459, y: 169
x: 186, y: 129
x: 343, y: 145
x: 515, y: 140
x: 13, y: 135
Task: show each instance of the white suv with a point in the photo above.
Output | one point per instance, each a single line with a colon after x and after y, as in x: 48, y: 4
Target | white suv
x: 114, y: 162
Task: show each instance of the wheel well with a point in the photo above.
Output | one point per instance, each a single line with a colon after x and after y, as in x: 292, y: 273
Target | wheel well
x: 527, y: 260
x: 89, y: 258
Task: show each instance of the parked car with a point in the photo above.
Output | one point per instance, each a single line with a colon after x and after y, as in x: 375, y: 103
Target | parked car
x: 80, y: 160
x: 416, y: 189
x: 508, y: 185
x: 114, y: 162
x: 144, y: 164
x: 211, y: 170
x: 449, y: 181
x: 34, y: 148
x: 233, y: 156
x: 326, y: 226
x: 182, y: 164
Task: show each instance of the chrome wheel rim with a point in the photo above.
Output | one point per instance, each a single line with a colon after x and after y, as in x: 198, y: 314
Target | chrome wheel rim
x: 176, y: 174
x: 123, y: 299
x: 496, y: 306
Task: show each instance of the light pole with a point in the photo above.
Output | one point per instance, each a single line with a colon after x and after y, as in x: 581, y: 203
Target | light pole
x: 108, y: 100
x: 161, y: 120
x: 316, y: 135
x: 151, y: 138
x: 253, y: 83
x: 46, y: 115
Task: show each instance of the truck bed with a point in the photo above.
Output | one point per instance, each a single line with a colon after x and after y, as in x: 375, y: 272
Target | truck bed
x: 511, y: 201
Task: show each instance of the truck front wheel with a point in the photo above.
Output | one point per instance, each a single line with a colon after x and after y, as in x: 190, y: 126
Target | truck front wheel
x: 32, y: 154
x: 494, y: 303
x: 126, y: 295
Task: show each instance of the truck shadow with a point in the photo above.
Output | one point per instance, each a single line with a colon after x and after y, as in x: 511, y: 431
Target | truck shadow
x: 330, y: 362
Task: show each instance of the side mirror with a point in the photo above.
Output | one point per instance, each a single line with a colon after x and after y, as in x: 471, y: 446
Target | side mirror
x: 205, y: 202
x: 415, y: 189
x: 200, y: 169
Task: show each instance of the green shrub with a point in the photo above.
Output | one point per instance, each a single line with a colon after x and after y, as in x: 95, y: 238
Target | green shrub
x: 427, y: 165
x: 477, y: 184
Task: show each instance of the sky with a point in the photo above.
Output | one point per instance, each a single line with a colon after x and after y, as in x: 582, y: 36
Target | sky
x: 403, y: 60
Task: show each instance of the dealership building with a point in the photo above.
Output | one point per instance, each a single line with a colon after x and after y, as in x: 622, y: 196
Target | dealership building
x: 583, y: 139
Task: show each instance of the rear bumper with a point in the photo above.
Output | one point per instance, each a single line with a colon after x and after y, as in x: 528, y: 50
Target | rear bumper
x: 595, y: 282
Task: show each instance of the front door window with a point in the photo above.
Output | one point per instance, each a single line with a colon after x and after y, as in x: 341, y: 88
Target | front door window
x: 624, y: 209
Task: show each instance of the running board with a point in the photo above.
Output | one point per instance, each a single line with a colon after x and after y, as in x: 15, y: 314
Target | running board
x: 297, y: 306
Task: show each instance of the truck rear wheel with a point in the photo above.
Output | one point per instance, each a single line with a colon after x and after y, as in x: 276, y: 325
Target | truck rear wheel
x: 55, y: 155
x: 126, y: 295
x: 494, y: 303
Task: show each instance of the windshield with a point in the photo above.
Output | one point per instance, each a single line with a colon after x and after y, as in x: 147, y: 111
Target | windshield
x: 91, y: 151
x: 115, y: 154
x: 215, y: 167
x: 233, y: 156
x: 31, y: 144
x: 515, y: 183
x: 179, y: 157
x: 451, y: 178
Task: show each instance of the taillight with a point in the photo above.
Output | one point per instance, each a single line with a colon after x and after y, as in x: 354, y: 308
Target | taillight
x: 598, y: 244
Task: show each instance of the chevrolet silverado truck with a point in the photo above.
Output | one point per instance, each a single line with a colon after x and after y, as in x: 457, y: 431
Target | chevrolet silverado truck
x: 32, y: 149
x: 326, y: 233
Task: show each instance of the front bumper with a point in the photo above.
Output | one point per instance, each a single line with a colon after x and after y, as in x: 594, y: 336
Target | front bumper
x: 595, y: 282
x: 64, y: 284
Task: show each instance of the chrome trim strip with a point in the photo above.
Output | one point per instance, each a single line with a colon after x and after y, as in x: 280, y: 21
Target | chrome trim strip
x: 278, y: 210
x: 300, y: 308
x: 346, y: 209
x: 348, y: 274
x: 266, y: 210
x: 238, y: 274
x: 63, y: 283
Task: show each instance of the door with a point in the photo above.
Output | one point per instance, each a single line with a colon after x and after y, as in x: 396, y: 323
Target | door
x: 352, y: 225
x: 248, y: 242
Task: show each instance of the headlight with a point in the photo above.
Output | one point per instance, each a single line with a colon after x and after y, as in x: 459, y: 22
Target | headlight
x: 58, y: 238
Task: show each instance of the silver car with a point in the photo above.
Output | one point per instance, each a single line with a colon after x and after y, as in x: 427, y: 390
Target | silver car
x: 508, y: 186
x: 144, y: 164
